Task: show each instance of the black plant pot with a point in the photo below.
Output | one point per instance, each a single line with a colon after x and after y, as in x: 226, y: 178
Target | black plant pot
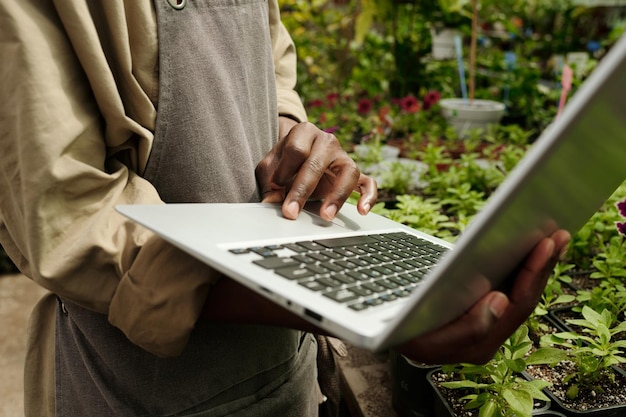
x: 558, y: 316
x: 442, y: 407
x: 613, y: 411
x: 550, y: 413
x: 411, y: 393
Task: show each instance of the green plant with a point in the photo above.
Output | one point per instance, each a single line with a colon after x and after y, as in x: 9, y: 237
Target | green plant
x: 610, y: 262
x: 424, y: 214
x: 552, y: 296
x: 609, y: 294
x: 399, y: 177
x: 593, y: 351
x: 497, y: 388
x: 463, y: 200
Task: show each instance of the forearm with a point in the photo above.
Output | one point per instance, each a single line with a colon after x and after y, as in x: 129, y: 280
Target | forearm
x: 231, y: 302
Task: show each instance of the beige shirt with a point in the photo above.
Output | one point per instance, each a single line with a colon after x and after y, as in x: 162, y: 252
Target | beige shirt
x: 77, y: 114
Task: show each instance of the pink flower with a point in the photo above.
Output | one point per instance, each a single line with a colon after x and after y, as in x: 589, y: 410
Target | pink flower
x: 430, y: 99
x: 331, y: 129
x: 364, y: 107
x: 409, y: 104
x: 621, y: 206
x: 621, y: 226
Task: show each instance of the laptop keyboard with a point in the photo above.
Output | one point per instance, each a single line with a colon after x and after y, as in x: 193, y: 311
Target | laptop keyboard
x: 359, y: 271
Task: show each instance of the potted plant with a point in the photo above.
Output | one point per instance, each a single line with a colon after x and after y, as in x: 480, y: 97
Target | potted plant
x: 446, y: 18
x: 497, y: 388
x: 587, y: 382
x: 468, y: 113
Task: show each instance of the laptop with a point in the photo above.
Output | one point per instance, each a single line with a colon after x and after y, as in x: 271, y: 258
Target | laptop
x: 376, y: 283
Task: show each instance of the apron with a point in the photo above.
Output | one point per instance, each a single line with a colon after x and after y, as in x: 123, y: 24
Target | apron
x: 217, y: 117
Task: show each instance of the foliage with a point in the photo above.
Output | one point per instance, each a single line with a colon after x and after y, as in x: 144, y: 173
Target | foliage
x: 552, y: 297
x: 424, y: 214
x: 593, y: 351
x: 609, y: 294
x: 497, y: 388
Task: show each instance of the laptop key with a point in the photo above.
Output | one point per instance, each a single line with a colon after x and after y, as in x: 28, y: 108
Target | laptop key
x: 328, y: 282
x: 264, y: 252
x: 358, y: 306
x: 294, y: 272
x: 276, y: 262
x: 313, y: 285
x: 374, y: 287
x: 342, y: 296
x: 345, y: 241
x: 363, y: 291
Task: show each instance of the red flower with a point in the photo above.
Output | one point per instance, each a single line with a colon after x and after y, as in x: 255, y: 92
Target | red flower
x: 409, y: 104
x: 316, y: 103
x: 364, y: 107
x: 430, y: 99
x: 621, y: 227
x: 332, y: 99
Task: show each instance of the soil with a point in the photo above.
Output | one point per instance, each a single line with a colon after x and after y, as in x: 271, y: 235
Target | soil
x: 454, y: 397
x: 607, y: 393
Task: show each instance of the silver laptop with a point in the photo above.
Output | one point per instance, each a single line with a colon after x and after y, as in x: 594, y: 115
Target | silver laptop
x: 376, y: 283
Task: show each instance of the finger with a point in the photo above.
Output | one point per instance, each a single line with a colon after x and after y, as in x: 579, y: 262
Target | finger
x: 345, y: 178
x: 368, y: 189
x: 327, y: 173
x: 264, y: 173
x: 296, y: 148
x: 534, y: 275
x: 530, y: 283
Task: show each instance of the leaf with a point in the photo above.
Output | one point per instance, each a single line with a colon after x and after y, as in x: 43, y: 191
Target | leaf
x: 572, y: 392
x: 520, y: 401
x: 463, y: 384
x: 592, y: 316
x: 489, y: 409
x: 546, y: 356
x: 516, y: 365
x: 535, y: 387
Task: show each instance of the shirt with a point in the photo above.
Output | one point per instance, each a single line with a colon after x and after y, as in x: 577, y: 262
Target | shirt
x: 77, y: 118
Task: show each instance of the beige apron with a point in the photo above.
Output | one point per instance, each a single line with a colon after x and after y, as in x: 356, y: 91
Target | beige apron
x: 217, y: 118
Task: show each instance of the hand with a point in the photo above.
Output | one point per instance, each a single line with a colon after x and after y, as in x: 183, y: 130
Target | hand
x: 308, y: 163
x: 476, y: 336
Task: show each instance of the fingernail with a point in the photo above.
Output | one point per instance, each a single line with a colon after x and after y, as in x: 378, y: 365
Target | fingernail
x: 498, y: 304
x: 367, y: 207
x: 331, y: 211
x: 293, y: 209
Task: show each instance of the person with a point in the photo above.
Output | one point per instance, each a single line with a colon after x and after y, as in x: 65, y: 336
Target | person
x: 136, y: 102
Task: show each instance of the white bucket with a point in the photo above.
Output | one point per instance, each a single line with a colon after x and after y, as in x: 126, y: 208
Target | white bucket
x: 464, y: 116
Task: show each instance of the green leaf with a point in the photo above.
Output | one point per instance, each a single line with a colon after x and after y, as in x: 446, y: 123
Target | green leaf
x: 517, y: 365
x: 572, y: 392
x: 463, y: 384
x: 591, y: 315
x: 520, y: 401
x: 546, y: 355
x: 489, y: 409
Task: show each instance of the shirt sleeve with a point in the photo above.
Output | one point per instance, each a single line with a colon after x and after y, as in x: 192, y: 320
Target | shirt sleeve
x: 64, y: 130
x: 289, y: 102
